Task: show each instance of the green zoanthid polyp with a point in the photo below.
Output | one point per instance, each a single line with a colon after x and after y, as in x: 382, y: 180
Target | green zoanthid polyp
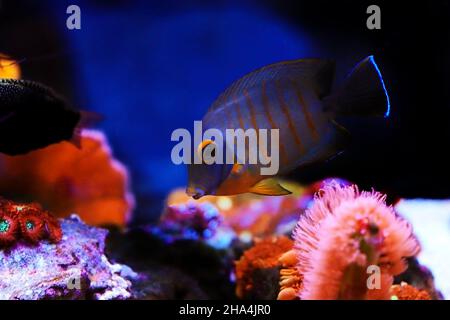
x: 4, y: 225
x: 30, y: 225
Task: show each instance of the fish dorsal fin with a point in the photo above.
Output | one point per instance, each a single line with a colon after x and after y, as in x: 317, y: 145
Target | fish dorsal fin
x: 318, y: 72
x: 269, y: 187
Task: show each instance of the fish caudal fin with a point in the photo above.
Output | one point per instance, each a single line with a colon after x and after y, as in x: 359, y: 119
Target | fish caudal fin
x: 269, y: 187
x: 362, y: 94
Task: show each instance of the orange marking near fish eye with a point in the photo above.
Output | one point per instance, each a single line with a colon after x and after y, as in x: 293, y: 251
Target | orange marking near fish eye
x: 202, y: 146
x: 204, y: 143
x: 266, y: 105
x: 305, y: 111
x: 285, y: 109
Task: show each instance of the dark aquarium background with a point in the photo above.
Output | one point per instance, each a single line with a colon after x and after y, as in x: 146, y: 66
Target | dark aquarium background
x: 150, y: 67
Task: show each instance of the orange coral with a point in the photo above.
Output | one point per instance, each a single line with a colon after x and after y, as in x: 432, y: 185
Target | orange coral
x: 68, y: 180
x: 263, y: 255
x: 344, y: 233
x: 405, y: 291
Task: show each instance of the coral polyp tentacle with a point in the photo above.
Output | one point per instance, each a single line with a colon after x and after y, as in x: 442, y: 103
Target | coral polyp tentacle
x: 54, y: 231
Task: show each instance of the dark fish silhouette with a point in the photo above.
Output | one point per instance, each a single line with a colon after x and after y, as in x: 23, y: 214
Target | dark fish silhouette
x: 33, y: 116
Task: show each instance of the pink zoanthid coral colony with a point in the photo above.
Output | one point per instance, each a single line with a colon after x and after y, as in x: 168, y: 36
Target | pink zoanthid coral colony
x: 348, y: 245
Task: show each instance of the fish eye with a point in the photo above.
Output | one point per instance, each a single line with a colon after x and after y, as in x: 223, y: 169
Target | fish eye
x: 202, y: 147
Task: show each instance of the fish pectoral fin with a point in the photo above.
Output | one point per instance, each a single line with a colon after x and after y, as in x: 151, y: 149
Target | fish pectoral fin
x: 269, y: 187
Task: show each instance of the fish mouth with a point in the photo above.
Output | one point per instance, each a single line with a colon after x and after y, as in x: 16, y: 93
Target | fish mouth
x: 195, y: 193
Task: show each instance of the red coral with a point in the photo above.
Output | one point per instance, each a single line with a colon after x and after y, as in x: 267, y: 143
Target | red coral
x: 28, y: 222
x: 53, y: 229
